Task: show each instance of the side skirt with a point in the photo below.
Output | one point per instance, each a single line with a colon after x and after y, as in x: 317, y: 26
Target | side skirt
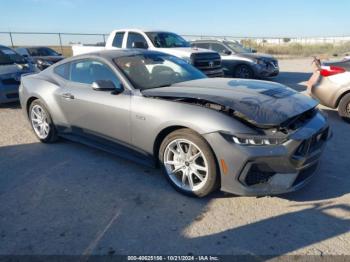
x: 113, y: 148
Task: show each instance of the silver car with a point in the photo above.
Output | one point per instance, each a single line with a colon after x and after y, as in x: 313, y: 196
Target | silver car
x: 12, y: 67
x: 247, y: 137
x: 330, y: 84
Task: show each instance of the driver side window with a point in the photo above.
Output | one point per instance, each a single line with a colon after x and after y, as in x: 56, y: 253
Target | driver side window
x: 89, y: 71
x: 218, y: 48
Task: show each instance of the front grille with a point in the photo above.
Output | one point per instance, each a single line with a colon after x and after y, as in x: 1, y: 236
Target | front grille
x: 312, y: 144
x: 305, y: 174
x: 258, y: 174
x: 208, y: 63
x: 10, y: 81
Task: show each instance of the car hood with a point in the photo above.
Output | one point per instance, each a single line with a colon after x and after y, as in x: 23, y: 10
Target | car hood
x: 255, y: 56
x: 262, y: 103
x: 183, y: 51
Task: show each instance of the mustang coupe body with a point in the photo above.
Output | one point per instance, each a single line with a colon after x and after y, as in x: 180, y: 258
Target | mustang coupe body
x: 247, y: 137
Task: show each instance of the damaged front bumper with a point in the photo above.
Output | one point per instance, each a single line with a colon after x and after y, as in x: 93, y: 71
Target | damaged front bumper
x: 271, y: 169
x: 269, y: 69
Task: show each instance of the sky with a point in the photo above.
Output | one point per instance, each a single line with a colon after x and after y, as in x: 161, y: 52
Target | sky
x: 261, y: 18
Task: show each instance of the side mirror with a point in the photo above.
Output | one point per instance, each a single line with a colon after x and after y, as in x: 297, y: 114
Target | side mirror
x: 141, y: 45
x: 106, y: 85
x: 227, y: 52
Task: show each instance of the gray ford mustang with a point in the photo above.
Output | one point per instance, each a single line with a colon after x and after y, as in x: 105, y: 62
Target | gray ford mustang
x: 247, y: 137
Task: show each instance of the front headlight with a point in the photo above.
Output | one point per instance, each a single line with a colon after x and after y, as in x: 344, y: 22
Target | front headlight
x: 258, y: 141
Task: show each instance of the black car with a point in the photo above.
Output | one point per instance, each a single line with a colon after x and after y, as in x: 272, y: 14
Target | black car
x: 42, y: 57
x: 238, y: 61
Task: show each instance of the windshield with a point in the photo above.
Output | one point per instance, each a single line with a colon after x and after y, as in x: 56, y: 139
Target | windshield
x: 42, y: 51
x: 146, y: 71
x: 9, y: 57
x: 237, y: 47
x: 167, y: 40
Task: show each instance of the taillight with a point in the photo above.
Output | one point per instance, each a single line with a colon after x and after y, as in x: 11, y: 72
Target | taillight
x: 331, y: 70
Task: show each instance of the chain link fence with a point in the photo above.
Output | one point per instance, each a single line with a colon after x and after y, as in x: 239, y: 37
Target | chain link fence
x: 62, y: 42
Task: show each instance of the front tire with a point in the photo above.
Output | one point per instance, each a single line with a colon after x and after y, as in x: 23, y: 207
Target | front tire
x: 243, y: 71
x: 41, y: 122
x: 344, y: 108
x: 189, y: 163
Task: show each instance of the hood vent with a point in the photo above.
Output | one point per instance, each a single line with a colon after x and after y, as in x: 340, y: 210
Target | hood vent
x: 277, y: 92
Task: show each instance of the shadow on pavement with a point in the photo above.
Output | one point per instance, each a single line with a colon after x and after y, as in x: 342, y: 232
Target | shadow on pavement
x: 292, y: 79
x: 12, y: 105
x: 70, y: 199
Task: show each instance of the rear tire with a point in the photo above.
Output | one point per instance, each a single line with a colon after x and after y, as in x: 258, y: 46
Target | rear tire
x: 344, y: 108
x: 243, y: 71
x: 41, y: 122
x: 189, y: 163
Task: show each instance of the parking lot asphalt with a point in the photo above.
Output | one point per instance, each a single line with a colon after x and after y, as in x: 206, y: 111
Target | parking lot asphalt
x: 67, y: 198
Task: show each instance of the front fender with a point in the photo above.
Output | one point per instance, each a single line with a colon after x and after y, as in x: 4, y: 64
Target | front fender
x: 149, y: 116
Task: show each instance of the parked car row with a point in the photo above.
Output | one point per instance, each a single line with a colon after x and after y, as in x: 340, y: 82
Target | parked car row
x: 12, y: 67
x: 42, y: 57
x: 213, y: 58
x: 209, y: 62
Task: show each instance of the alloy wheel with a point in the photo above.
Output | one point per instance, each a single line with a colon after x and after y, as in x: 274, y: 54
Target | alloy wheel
x: 348, y: 108
x: 186, y: 165
x: 39, y: 121
x: 243, y: 72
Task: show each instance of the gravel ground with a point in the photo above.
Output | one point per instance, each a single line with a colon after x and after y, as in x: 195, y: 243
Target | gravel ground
x: 71, y: 199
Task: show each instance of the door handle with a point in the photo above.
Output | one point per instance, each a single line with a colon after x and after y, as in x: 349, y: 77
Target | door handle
x: 67, y: 96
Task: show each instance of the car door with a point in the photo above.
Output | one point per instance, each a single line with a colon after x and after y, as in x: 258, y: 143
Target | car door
x: 226, y: 60
x: 92, y: 113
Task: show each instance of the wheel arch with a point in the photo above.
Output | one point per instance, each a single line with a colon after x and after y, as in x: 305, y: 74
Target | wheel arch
x: 29, y: 102
x: 166, y: 131
x: 341, y: 96
x: 160, y: 137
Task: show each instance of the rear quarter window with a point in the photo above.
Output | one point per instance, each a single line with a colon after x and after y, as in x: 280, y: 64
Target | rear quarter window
x: 62, y: 70
x: 118, y: 39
